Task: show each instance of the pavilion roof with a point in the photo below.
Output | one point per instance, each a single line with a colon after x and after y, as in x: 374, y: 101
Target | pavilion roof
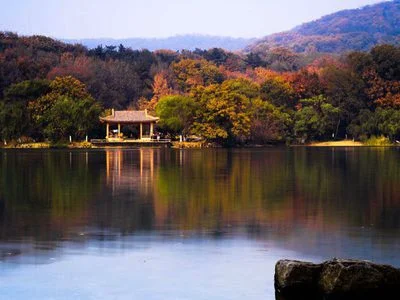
x: 129, y: 116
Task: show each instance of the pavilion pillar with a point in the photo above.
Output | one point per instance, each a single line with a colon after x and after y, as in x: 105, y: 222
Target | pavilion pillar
x: 141, y: 131
x: 151, y: 129
x: 119, y: 130
x: 107, y: 130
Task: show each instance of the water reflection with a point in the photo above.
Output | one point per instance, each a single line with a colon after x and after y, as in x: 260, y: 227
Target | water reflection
x: 323, y: 202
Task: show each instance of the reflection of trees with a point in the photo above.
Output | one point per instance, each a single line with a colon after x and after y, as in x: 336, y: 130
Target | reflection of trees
x: 358, y: 186
x: 41, y: 191
x: 52, y: 195
x: 213, y: 187
x: 316, y: 187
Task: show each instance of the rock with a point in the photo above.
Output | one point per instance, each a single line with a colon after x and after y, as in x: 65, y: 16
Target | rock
x: 358, y: 279
x: 296, y: 278
x: 335, y: 279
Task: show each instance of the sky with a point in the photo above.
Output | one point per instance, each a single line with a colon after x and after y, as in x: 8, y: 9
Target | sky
x: 78, y: 19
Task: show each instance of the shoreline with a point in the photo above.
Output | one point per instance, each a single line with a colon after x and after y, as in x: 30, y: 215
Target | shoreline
x: 196, y: 145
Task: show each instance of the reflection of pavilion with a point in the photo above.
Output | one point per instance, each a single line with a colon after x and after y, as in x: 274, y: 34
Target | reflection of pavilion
x: 133, y: 170
x: 134, y: 173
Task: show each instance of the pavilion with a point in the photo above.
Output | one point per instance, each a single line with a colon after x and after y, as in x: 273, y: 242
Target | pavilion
x: 129, y: 117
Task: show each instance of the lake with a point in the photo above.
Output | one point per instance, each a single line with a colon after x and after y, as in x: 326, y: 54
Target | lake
x: 188, y: 224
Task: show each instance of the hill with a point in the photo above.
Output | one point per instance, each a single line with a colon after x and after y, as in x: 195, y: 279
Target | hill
x: 179, y: 42
x: 347, y: 30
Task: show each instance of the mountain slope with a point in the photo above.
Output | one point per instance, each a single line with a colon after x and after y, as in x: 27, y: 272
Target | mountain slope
x: 356, y: 29
x: 179, y: 42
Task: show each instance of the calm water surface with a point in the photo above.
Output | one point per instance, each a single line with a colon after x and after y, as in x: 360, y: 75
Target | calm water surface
x: 193, y: 224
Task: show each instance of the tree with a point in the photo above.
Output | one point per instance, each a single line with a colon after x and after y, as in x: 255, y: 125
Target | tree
x: 305, y: 84
x: 26, y: 90
x: 190, y: 73
x: 216, y: 55
x: 278, y: 92
x: 13, y: 122
x: 381, y: 122
x: 71, y: 117
x: 254, y: 60
x: 346, y: 91
x: 269, y: 124
x: 317, y: 119
x: 117, y: 84
x: 68, y: 109
x: 388, y: 121
x: 60, y: 87
x: 283, y: 60
x: 387, y: 60
x: 359, y: 62
x: 15, y: 117
x: 176, y: 114
x: 160, y: 89
x: 364, y: 125
x: 224, y: 114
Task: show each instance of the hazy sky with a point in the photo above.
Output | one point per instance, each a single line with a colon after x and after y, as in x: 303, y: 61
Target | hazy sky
x: 162, y: 18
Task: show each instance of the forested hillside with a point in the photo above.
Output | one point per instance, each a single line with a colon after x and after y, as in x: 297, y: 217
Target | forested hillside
x: 51, y: 90
x: 348, y: 30
x: 116, y: 76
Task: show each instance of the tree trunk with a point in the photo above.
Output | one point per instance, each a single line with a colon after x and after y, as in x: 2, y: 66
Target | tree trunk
x: 337, y: 129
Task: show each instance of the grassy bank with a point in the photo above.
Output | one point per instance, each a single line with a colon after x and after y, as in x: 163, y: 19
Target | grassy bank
x: 346, y: 143
x: 373, y: 141
x: 48, y: 145
x: 192, y: 145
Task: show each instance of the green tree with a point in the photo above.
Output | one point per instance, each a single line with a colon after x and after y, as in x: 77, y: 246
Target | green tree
x: 364, y: 125
x: 12, y: 120
x: 269, y: 124
x: 26, y: 91
x: 68, y: 109
x: 388, y: 121
x: 15, y: 119
x: 387, y: 60
x: 345, y: 90
x: 384, y: 121
x: 176, y: 114
x: 317, y: 119
x: 278, y: 92
x: 71, y: 116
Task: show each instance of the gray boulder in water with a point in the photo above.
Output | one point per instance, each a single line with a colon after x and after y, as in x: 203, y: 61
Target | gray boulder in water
x: 296, y: 278
x: 336, y: 279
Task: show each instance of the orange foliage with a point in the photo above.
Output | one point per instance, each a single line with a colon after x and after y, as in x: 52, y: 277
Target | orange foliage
x: 263, y: 74
x: 384, y: 93
x: 79, y: 67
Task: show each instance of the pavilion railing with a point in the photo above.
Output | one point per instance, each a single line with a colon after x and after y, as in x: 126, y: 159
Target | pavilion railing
x: 99, y: 141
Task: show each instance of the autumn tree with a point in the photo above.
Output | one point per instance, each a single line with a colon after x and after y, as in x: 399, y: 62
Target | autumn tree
x: 305, y: 84
x: 190, y: 73
x: 160, y: 89
x: 225, y: 110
